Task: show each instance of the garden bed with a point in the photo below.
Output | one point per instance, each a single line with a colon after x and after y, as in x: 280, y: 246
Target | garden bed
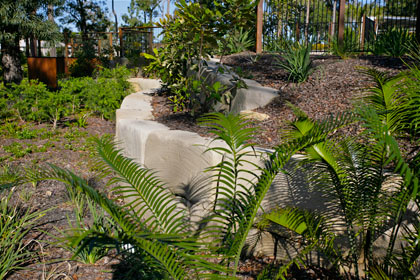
x: 332, y: 88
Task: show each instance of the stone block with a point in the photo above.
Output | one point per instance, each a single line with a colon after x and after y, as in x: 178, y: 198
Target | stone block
x: 132, y: 136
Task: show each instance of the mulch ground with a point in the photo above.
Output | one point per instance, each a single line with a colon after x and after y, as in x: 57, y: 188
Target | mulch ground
x: 333, y: 87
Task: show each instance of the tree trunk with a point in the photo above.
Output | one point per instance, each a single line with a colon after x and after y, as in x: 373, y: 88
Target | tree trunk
x: 333, y: 19
x: 116, y: 18
x: 10, y: 62
x: 50, y: 12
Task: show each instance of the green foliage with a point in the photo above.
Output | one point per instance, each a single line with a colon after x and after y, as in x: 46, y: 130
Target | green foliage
x: 355, y: 173
x: 237, y: 41
x: 348, y: 47
x: 15, y: 223
x: 32, y: 101
x: 77, y: 238
x: 297, y: 62
x: 17, y: 149
x: 392, y: 42
x: 191, y: 36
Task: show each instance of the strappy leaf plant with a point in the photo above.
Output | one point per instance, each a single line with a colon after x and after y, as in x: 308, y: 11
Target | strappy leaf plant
x: 296, y: 61
x: 15, y: 224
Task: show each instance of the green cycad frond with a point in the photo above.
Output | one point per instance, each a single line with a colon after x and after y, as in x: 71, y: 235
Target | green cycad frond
x: 141, y: 190
x: 178, y: 254
x: 238, y: 199
x: 311, y: 227
x: 386, y: 97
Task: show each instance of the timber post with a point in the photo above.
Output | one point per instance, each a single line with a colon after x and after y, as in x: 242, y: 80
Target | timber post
x: 260, y: 17
x: 66, y: 54
x: 120, y: 35
x: 341, y: 22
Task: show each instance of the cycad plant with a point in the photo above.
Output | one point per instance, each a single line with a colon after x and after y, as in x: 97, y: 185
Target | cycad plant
x: 152, y: 221
x: 370, y: 185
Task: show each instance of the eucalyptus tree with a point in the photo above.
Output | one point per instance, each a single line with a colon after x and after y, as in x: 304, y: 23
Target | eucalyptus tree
x: 22, y: 19
x: 87, y: 15
x: 142, y: 11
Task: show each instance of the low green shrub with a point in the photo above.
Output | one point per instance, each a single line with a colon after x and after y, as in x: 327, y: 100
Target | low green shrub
x: 393, y: 42
x: 32, y: 101
x: 297, y: 62
x: 236, y: 42
x: 349, y: 46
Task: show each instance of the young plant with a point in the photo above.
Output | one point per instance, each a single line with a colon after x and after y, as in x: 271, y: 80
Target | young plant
x: 237, y: 41
x: 15, y: 223
x: 296, y: 62
x: 77, y: 238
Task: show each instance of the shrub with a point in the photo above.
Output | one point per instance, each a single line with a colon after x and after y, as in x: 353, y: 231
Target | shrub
x: 190, y: 37
x: 236, y: 42
x: 392, y: 42
x: 32, y: 101
x: 297, y: 62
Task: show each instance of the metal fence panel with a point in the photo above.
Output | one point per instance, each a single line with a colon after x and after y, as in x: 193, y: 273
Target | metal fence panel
x: 317, y: 22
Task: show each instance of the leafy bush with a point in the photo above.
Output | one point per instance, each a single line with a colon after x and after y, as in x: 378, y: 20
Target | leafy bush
x: 190, y: 37
x: 32, y: 101
x: 393, y: 42
x: 297, y: 62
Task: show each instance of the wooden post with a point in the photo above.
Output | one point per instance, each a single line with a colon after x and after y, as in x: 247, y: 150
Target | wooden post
x: 120, y: 35
x: 362, y: 33
x: 151, y: 40
x: 66, y: 54
x: 260, y: 19
x: 341, y: 22
x: 99, y: 45
x: 111, y: 46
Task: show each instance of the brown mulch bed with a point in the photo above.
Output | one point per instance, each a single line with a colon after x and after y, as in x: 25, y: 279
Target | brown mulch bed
x: 331, y: 89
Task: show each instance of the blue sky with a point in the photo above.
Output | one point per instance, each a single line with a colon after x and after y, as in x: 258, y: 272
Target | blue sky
x: 121, y: 8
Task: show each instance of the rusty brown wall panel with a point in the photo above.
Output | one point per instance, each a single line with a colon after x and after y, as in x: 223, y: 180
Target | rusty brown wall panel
x: 44, y: 69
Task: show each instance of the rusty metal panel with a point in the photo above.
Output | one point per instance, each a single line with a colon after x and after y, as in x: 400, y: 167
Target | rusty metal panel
x: 44, y: 69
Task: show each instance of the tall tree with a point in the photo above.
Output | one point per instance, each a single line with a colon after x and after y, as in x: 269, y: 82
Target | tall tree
x: 148, y: 9
x: 19, y: 19
x: 87, y: 15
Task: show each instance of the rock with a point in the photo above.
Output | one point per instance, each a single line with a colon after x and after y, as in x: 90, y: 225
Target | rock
x: 254, y: 115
